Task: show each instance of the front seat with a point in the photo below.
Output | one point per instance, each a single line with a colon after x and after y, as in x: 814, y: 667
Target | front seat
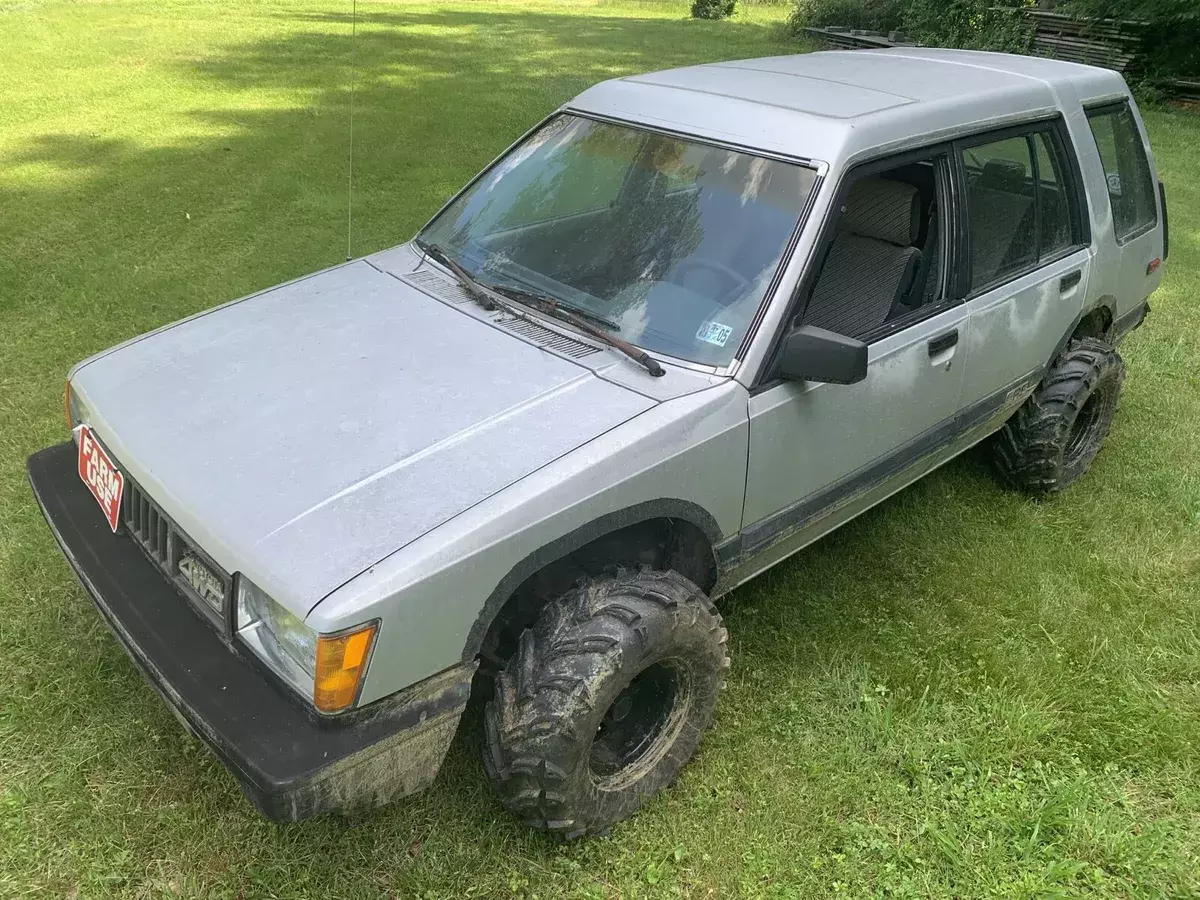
x: 872, y: 265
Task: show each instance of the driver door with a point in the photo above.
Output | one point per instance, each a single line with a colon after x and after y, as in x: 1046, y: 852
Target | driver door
x: 821, y: 453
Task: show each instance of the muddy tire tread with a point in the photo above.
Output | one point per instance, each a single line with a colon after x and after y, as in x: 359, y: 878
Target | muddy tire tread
x: 1027, y: 452
x: 598, y: 627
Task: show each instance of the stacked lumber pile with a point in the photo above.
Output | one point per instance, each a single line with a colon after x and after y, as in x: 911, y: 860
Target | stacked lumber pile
x: 1107, y: 43
x: 1112, y: 44
x: 1187, y: 89
x: 841, y: 38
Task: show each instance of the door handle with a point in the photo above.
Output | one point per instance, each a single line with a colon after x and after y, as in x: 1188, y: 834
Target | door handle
x: 1069, y: 281
x: 943, y: 342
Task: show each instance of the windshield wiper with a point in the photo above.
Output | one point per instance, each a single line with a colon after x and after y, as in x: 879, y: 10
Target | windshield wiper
x: 474, y: 289
x: 641, y: 357
x: 484, y: 296
x: 546, y: 303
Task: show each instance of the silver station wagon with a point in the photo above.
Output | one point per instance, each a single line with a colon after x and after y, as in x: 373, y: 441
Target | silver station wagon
x: 688, y: 324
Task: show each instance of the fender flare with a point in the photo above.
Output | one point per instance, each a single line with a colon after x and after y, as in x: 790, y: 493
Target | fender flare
x: 663, y: 508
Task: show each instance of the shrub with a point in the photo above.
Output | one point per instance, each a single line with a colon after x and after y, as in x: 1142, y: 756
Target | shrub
x: 977, y: 24
x: 1157, y: 13
x: 1171, y: 27
x: 712, y: 9
x: 968, y: 24
x: 874, y: 15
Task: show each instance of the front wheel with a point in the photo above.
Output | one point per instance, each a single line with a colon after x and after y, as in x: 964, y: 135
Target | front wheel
x: 1053, y: 438
x: 604, y: 701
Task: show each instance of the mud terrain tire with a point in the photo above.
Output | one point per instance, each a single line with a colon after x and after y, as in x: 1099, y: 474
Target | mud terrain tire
x: 604, y: 701
x: 1053, y: 438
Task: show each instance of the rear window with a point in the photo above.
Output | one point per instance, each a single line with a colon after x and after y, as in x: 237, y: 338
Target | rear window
x: 1130, y: 185
x: 1021, y: 205
x: 1001, y: 209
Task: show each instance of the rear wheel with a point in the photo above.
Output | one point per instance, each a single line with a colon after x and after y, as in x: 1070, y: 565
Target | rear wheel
x: 604, y: 701
x: 1053, y: 438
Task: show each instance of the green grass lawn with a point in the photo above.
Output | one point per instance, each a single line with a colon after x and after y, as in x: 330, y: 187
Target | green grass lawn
x: 963, y: 693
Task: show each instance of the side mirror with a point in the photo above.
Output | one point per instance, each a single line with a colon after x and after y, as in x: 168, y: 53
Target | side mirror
x: 814, y: 354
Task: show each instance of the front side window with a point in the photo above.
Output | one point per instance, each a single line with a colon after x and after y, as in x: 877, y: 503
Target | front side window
x: 1130, y: 184
x: 673, y: 242
x: 885, y: 263
x: 1021, y: 205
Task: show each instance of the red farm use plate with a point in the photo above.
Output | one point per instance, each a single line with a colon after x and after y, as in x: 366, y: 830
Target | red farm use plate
x: 101, y: 476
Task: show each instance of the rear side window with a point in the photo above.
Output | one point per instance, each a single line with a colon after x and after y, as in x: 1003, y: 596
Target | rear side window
x: 1056, y: 232
x: 1021, y: 205
x: 1130, y: 185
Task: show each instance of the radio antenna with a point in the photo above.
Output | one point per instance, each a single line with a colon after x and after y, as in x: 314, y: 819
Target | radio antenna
x: 350, y: 158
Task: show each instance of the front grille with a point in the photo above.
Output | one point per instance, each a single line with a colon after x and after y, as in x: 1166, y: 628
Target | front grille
x: 147, y: 525
x: 168, y: 547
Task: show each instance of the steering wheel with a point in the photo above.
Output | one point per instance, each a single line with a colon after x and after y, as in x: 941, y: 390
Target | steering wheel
x: 735, y: 279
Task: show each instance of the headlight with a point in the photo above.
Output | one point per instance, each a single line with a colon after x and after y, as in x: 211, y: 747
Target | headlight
x: 327, y: 669
x: 292, y: 637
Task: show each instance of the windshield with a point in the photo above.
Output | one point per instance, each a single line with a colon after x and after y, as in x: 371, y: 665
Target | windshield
x: 673, y: 241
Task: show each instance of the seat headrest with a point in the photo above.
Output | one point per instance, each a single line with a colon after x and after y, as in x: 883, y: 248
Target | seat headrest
x: 1003, y: 175
x: 884, y: 210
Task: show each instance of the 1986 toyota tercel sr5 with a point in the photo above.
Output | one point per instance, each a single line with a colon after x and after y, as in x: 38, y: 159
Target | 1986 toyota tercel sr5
x: 685, y: 326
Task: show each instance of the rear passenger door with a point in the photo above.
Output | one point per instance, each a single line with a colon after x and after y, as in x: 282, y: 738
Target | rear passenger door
x: 1026, y: 263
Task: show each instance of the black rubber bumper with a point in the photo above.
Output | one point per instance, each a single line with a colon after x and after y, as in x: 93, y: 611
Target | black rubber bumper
x: 290, y: 763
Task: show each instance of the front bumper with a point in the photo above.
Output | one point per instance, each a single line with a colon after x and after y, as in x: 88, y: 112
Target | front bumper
x: 289, y: 762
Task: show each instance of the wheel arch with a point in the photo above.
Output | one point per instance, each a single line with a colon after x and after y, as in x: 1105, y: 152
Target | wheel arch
x: 1097, y: 321
x: 683, y: 532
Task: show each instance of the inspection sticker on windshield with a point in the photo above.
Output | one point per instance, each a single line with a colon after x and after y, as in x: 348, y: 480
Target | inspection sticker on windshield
x: 714, y: 333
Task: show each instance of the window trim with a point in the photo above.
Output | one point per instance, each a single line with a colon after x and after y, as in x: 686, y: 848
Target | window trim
x: 1109, y: 107
x: 1056, y: 127
x: 946, y: 189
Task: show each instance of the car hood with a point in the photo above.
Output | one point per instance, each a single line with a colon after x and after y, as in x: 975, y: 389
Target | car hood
x: 302, y: 434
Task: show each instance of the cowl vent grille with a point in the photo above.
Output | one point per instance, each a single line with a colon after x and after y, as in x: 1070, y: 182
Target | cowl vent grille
x: 434, y: 282
x: 539, y: 334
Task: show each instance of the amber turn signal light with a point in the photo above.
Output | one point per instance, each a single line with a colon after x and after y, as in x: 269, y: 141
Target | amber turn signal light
x: 341, y: 662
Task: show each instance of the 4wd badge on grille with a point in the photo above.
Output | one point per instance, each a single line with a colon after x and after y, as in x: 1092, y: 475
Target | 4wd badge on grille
x: 201, y: 580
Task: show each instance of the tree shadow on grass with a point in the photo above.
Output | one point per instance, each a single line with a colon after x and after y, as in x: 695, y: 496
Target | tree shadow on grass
x: 137, y: 235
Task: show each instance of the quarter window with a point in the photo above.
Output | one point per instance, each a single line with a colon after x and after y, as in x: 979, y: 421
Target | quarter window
x: 1021, y: 205
x: 1130, y: 185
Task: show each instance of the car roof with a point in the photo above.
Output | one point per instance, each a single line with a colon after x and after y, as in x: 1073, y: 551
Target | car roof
x: 836, y: 105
